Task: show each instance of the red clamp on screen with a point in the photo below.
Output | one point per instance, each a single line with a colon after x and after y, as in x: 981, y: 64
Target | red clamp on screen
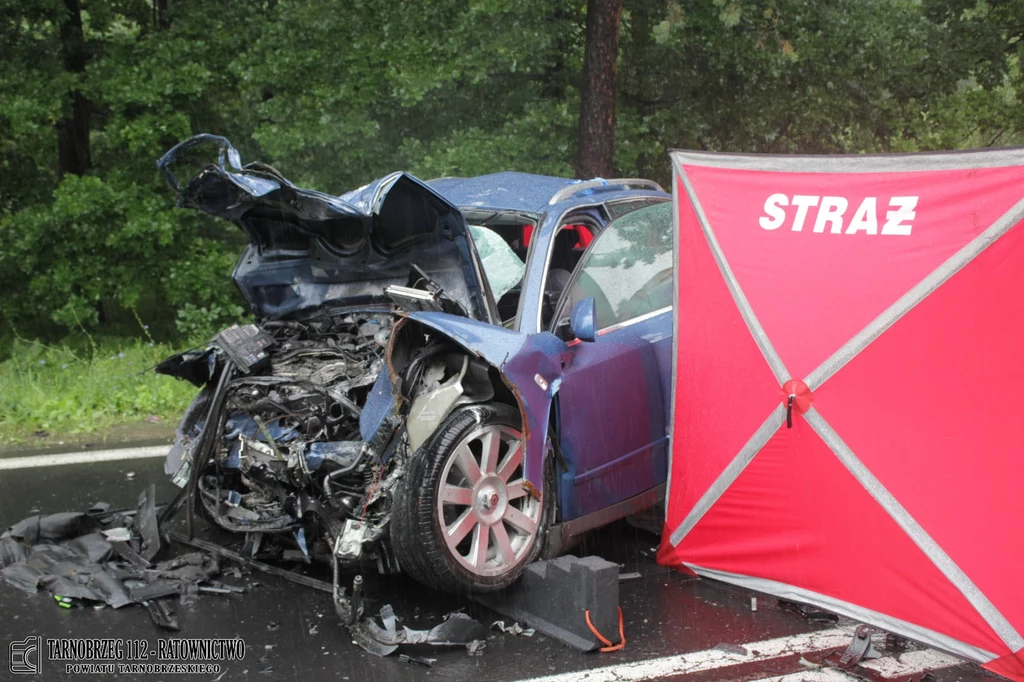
x: 796, y: 395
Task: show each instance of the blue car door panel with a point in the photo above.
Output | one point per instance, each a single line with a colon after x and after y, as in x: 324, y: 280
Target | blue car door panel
x: 613, y: 402
x: 614, y: 417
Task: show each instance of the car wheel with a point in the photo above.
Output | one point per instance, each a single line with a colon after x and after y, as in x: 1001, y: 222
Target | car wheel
x: 463, y: 520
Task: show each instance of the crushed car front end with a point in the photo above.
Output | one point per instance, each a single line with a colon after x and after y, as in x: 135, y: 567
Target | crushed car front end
x: 295, y: 438
x: 295, y: 445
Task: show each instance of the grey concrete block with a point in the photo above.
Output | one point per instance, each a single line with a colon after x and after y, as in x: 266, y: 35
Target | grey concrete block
x: 553, y: 596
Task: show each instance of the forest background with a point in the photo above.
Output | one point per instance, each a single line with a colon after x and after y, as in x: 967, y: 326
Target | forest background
x: 100, y: 277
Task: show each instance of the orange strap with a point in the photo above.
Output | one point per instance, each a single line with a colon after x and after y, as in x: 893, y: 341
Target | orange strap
x: 608, y: 646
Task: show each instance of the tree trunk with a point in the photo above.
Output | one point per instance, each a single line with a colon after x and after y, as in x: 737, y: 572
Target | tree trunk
x: 163, y: 14
x: 597, y: 97
x: 73, y: 130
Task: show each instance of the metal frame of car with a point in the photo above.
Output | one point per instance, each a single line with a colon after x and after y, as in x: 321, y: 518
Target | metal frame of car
x: 573, y: 528
x: 530, y: 361
x: 529, y: 321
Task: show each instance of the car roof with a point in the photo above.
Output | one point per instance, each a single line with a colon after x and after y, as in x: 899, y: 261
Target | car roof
x: 528, y: 193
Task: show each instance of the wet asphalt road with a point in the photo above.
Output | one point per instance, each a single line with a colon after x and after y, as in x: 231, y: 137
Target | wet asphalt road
x: 292, y: 632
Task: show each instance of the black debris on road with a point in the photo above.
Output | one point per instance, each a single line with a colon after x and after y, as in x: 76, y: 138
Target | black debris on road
x: 293, y: 632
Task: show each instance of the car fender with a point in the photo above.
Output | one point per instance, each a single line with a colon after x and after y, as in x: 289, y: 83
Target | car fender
x: 530, y: 365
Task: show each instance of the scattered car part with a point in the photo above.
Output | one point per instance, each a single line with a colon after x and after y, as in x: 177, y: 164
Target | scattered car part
x: 515, y: 629
x: 860, y: 648
x: 74, y: 557
x: 145, y: 523
x: 226, y: 553
x: 457, y: 629
x: 417, y: 660
x: 162, y: 613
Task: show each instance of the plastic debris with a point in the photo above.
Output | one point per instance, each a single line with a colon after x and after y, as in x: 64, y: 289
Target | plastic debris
x: 118, y: 534
x: 514, y: 629
x: 145, y: 524
x: 811, y: 613
x: 457, y: 628
x: 103, y: 558
x: 417, y: 660
x: 860, y: 648
x: 163, y: 615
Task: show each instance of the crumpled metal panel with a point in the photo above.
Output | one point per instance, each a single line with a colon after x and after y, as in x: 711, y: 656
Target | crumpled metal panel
x: 308, y: 248
x: 508, y: 191
x: 529, y: 363
x: 380, y: 403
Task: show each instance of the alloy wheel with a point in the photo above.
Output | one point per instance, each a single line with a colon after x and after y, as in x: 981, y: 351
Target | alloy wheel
x: 488, y: 519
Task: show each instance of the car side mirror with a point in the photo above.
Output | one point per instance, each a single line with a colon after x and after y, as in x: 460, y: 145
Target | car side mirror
x: 583, y: 321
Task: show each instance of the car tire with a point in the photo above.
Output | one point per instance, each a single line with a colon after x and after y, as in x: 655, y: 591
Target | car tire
x: 459, y: 535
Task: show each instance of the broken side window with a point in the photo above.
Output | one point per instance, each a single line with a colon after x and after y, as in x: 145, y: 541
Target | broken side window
x: 502, y: 267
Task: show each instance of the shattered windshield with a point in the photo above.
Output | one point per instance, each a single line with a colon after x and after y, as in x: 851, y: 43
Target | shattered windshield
x: 502, y: 267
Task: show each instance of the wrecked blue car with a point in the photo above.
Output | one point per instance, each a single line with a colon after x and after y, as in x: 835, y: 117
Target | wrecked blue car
x: 451, y: 378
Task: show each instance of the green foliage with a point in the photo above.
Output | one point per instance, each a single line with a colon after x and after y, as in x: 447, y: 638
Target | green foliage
x: 336, y: 94
x: 783, y: 76
x: 78, y: 251
x: 68, y: 391
x: 103, y: 243
x: 466, y: 87
x: 203, y: 322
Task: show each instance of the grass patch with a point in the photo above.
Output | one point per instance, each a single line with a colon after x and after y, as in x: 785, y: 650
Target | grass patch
x: 66, y: 392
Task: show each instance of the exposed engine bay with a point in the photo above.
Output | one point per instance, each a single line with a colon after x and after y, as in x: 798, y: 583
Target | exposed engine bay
x: 308, y: 443
x: 288, y: 458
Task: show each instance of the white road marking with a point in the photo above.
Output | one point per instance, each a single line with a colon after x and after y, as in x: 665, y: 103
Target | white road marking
x: 909, y: 663
x: 84, y: 457
x: 710, y: 659
x: 822, y: 675
x: 912, y: 662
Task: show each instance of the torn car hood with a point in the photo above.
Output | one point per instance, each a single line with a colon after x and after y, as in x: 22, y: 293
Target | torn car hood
x: 308, y: 249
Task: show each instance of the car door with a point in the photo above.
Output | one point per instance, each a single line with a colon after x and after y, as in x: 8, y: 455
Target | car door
x: 613, y: 401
